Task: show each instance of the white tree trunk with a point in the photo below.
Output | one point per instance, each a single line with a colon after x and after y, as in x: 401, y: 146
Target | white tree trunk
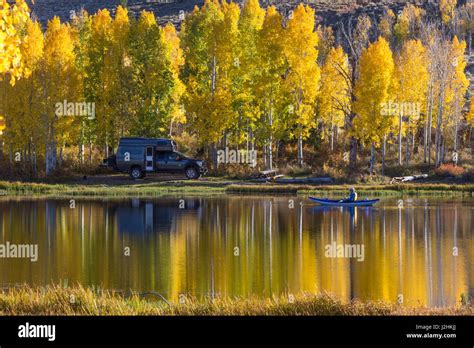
x: 400, y: 123
x: 384, y: 149
x: 332, y: 137
x: 372, y: 158
x: 300, y: 150
x: 270, y: 140
x: 51, y: 150
x: 90, y: 152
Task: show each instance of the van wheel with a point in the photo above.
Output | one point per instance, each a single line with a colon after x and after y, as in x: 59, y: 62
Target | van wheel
x: 136, y: 173
x: 192, y: 173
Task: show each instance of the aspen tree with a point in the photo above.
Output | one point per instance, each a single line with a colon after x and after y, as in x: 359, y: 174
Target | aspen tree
x: 411, y: 88
x: 81, y: 31
x: 59, y: 81
x: 334, y: 97
x: 209, y: 62
x: 447, y: 7
x: 269, y: 82
x: 21, y: 102
x: 456, y: 93
x: 12, y: 21
x: 247, y: 66
x: 373, y: 92
x: 117, y: 76
x: 95, y: 81
x: 153, y: 79
x: 174, y: 53
x: 302, y: 79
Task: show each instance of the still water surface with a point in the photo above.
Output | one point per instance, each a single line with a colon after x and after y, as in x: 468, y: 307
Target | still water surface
x: 420, y: 248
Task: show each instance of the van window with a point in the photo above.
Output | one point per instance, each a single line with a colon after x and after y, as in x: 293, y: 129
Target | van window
x: 161, y: 156
x: 131, y: 151
x: 173, y: 156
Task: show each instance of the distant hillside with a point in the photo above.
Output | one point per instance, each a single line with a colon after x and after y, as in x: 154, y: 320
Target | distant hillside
x: 328, y: 12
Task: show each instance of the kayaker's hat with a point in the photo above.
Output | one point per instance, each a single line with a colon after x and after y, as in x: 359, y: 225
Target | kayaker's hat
x: 352, y: 189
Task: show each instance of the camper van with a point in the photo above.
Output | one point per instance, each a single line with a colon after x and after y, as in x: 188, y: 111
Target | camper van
x: 138, y: 156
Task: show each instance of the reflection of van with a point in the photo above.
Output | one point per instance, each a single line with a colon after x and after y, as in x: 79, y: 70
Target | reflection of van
x: 145, y: 216
x: 140, y: 155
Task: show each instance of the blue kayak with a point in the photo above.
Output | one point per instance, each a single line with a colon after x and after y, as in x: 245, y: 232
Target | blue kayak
x: 338, y: 203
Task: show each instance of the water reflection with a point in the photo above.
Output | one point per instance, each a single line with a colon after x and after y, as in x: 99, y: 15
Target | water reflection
x: 418, y: 251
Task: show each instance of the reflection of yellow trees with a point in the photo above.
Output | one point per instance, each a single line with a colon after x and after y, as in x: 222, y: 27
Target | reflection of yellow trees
x: 177, y: 281
x: 333, y: 273
x: 408, y: 250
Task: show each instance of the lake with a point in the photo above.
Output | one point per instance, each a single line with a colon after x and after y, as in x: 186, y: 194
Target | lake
x: 415, y: 251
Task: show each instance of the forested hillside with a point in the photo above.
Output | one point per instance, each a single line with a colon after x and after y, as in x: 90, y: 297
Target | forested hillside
x: 328, y: 12
x: 349, y: 88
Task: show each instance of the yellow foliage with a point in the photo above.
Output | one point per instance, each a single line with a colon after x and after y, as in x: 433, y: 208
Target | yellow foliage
x: 32, y: 48
x: 386, y: 25
x: 24, y: 98
x: 176, y: 52
x: 470, y: 114
x: 246, y: 73
x: 210, y: 38
x: 12, y: 21
x: 269, y: 67
x: 373, y: 89
x: 457, y: 84
x: 411, y: 81
x: 171, y: 43
x: 59, y: 46
x: 334, y: 97
x: 121, y: 26
x: 447, y: 7
x: 252, y: 15
x: 408, y: 21
x: 115, y: 73
x: 101, y: 23
x: 247, y: 68
x: 303, y: 77
x: 458, y: 49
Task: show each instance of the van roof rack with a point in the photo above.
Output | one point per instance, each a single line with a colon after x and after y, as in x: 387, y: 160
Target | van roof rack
x: 145, y: 139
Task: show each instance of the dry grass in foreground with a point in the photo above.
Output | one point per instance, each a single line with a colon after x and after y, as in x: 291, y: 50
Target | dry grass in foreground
x: 80, y: 301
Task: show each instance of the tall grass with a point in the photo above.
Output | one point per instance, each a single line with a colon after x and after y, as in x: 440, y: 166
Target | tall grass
x: 377, y: 190
x: 263, y: 189
x: 78, y: 300
x: 216, y: 187
x: 155, y: 189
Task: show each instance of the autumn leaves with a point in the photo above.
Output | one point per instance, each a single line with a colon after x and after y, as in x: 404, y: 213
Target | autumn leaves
x: 249, y: 78
x: 11, y: 18
x: 234, y: 76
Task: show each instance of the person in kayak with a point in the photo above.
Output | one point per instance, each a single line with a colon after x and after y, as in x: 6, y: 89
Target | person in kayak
x: 352, y: 196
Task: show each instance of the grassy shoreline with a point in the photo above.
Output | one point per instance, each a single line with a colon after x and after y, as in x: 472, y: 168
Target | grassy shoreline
x: 77, y: 300
x: 377, y: 190
x: 132, y: 190
x: 207, y: 187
